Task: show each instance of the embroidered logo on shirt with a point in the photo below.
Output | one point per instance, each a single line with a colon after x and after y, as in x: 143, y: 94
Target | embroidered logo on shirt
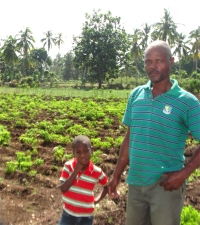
x: 167, y: 109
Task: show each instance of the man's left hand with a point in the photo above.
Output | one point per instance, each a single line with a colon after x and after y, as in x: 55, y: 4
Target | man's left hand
x: 173, y: 181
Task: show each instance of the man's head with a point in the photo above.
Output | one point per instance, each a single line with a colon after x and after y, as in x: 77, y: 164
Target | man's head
x: 158, y: 61
x: 82, y: 149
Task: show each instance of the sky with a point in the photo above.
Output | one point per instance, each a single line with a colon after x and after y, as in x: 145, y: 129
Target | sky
x: 67, y: 17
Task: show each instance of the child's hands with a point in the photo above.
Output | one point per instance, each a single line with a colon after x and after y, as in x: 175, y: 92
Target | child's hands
x: 79, y: 166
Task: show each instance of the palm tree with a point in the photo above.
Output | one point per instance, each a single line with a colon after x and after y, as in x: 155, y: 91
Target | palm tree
x: 9, y: 51
x: 58, y: 40
x: 195, y: 42
x: 145, y: 35
x: 165, y: 29
x: 136, y: 50
x: 48, y: 40
x: 9, y: 54
x: 181, y: 48
x: 25, y: 45
x: 25, y: 41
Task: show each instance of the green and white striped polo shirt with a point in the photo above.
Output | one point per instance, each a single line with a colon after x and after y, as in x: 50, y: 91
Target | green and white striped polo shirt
x: 158, y: 131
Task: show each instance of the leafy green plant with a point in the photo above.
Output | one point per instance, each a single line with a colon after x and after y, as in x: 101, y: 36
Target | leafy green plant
x: 54, y: 168
x: 38, y: 162
x: 29, y: 138
x: 32, y: 173
x: 58, y: 152
x: 95, y: 156
x: 118, y: 141
x: 194, y: 175
x: 67, y: 157
x: 11, y: 167
x: 22, y: 163
x: 190, y: 216
x: 4, y: 135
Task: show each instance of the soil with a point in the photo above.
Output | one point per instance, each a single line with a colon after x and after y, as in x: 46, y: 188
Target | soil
x: 37, y: 200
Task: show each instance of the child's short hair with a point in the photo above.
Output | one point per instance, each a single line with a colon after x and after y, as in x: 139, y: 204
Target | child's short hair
x: 81, y: 139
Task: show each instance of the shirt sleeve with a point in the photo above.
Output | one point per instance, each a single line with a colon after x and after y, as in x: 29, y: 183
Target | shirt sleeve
x: 103, y: 180
x: 65, y: 173
x: 194, y: 119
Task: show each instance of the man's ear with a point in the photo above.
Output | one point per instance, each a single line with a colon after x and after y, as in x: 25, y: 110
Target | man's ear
x: 92, y: 149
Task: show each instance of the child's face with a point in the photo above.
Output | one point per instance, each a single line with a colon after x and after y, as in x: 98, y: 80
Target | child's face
x: 83, y: 153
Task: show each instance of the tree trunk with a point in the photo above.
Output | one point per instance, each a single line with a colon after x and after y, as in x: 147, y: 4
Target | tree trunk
x: 99, y: 82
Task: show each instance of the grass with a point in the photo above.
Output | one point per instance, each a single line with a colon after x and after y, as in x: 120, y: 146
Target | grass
x: 68, y: 92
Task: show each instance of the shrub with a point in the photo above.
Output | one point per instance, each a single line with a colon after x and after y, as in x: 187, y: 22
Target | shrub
x: 4, y: 135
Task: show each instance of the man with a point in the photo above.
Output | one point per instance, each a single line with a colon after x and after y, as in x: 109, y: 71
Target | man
x: 159, y: 116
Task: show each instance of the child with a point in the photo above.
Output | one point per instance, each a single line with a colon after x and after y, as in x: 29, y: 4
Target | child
x: 78, y: 178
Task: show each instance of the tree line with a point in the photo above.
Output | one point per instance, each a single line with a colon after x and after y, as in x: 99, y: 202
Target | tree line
x: 103, y: 51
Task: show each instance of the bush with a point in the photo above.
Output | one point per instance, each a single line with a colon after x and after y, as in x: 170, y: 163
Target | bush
x: 190, y: 216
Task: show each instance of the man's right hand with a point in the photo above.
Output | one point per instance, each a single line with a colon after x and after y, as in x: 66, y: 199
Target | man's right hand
x: 112, y: 188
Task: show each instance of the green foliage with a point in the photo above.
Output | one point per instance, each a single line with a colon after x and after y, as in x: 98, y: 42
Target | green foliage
x: 190, y: 141
x: 58, y: 152
x: 118, y: 141
x: 54, y: 168
x: 190, y: 216
x: 98, y: 143
x: 29, y: 138
x: 78, y: 129
x: 190, y: 84
x: 4, y: 135
x: 11, y: 167
x: 25, y: 165
x: 22, y: 163
x: 67, y: 157
x: 38, y: 162
x: 32, y: 173
x: 100, y: 50
x: 95, y: 158
x: 194, y: 175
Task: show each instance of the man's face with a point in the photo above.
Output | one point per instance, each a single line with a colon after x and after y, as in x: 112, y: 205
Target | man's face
x: 158, y: 63
x: 83, y: 153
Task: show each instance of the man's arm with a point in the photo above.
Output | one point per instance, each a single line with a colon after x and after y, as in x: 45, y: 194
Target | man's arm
x: 174, y: 180
x: 121, y: 164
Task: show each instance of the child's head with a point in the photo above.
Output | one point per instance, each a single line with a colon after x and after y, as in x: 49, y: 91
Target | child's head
x: 82, y: 149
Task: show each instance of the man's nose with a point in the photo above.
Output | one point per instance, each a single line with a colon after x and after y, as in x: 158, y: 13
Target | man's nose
x: 153, y: 64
